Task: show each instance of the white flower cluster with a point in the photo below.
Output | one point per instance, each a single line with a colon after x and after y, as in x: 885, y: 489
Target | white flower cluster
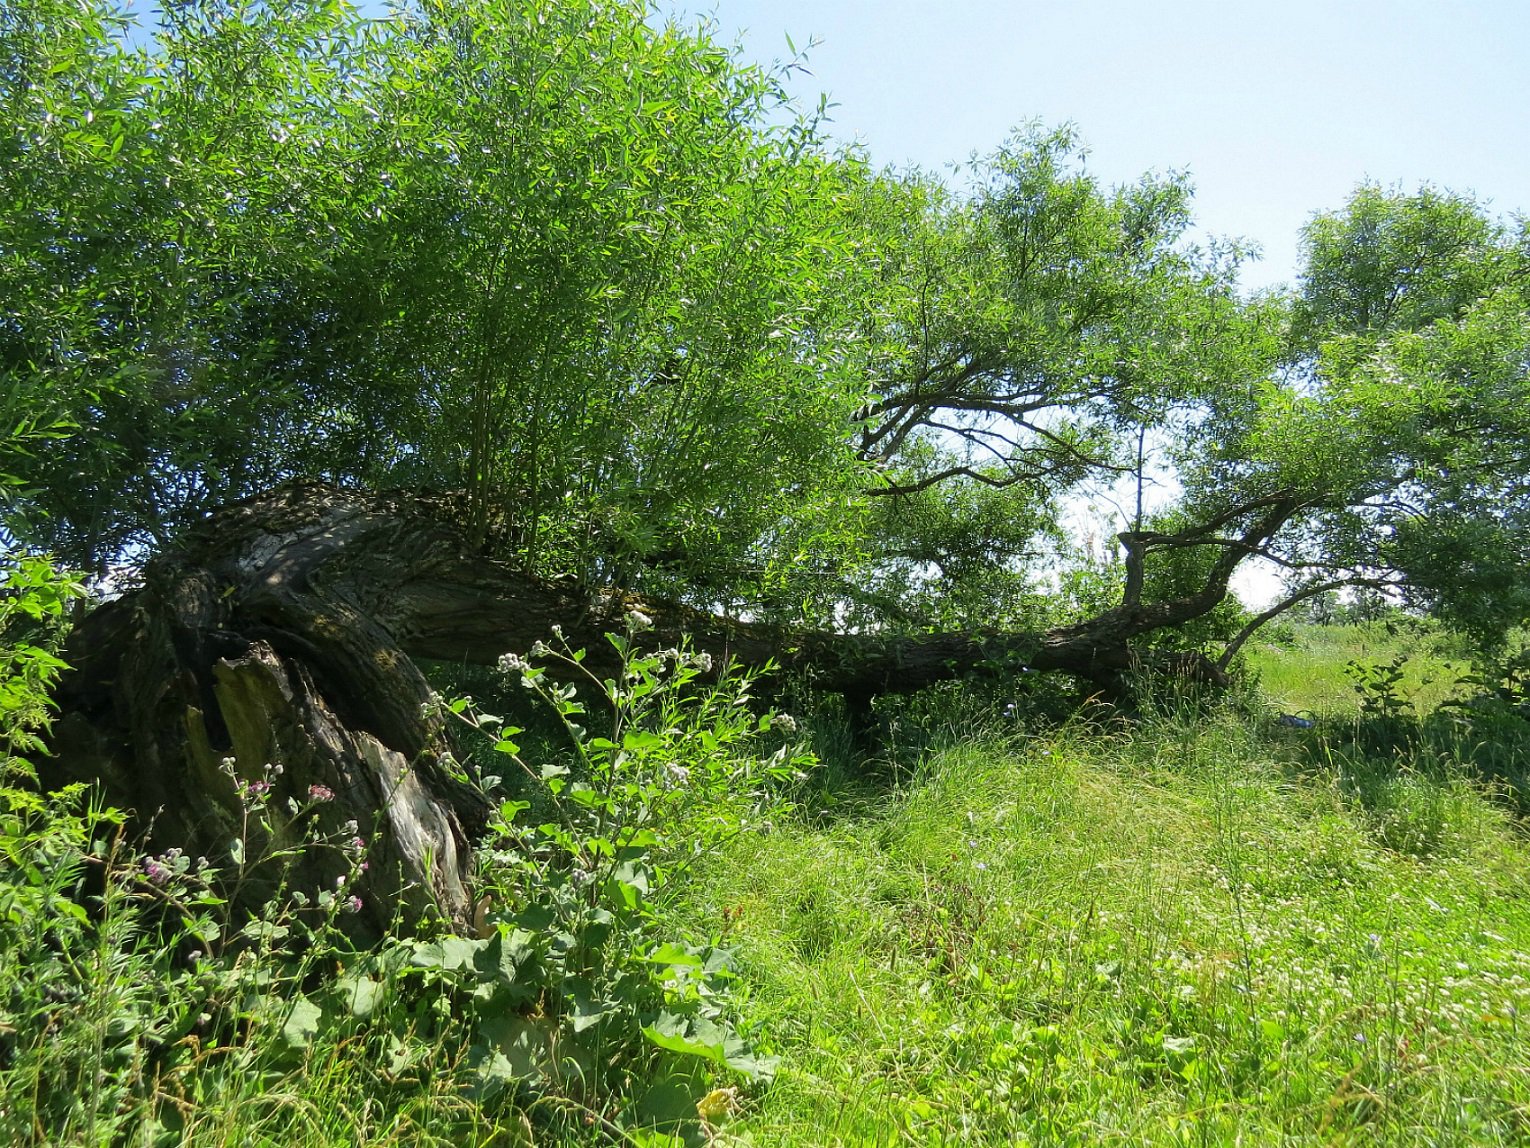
x: 513, y: 664
x: 701, y: 661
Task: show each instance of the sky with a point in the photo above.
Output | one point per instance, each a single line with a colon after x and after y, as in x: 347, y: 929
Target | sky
x: 1277, y: 109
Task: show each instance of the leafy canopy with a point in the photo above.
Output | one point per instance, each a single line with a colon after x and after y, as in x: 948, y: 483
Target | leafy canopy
x: 607, y: 283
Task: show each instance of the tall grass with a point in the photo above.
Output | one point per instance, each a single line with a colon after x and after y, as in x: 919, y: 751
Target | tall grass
x: 1193, y: 927
x: 1172, y: 935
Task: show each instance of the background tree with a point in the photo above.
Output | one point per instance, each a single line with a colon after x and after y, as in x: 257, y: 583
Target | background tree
x: 1019, y: 344
x: 1398, y: 422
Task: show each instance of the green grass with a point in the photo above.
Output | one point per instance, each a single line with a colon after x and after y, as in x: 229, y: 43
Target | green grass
x: 1192, y: 928
x: 1307, y: 673
x: 1162, y: 936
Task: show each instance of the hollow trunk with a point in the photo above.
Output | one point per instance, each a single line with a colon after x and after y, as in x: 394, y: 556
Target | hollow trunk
x: 282, y: 630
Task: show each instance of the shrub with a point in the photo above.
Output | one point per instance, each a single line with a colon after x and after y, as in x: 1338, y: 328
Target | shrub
x: 581, y: 989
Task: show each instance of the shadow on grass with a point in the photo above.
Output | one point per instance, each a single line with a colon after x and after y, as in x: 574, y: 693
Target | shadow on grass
x: 1413, y: 777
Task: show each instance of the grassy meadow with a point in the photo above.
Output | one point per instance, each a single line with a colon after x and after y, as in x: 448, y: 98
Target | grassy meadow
x: 1303, y: 669
x: 1172, y: 935
x: 1196, y: 926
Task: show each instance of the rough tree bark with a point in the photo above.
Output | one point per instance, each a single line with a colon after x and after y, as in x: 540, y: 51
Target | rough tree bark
x: 282, y: 630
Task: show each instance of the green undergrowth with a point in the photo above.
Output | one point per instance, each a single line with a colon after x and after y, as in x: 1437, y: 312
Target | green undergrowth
x: 139, y: 1006
x: 1309, y: 672
x: 1166, y: 934
x: 1198, y: 925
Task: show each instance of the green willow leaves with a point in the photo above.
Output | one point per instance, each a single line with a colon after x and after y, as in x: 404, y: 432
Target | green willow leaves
x: 607, y: 283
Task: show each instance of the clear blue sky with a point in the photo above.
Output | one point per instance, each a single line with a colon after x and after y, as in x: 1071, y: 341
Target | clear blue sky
x: 1277, y: 109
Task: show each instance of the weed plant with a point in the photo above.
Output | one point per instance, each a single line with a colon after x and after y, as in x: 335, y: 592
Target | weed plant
x: 135, y: 1008
x: 591, y: 995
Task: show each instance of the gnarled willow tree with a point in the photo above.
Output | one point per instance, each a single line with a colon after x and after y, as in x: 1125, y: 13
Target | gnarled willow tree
x: 609, y: 318
x: 284, y: 628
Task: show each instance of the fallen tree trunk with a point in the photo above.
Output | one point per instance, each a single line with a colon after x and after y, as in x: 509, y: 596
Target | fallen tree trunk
x: 283, y: 630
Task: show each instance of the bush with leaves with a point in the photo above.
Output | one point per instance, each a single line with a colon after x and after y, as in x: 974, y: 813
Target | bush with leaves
x: 34, y: 603
x: 583, y: 993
